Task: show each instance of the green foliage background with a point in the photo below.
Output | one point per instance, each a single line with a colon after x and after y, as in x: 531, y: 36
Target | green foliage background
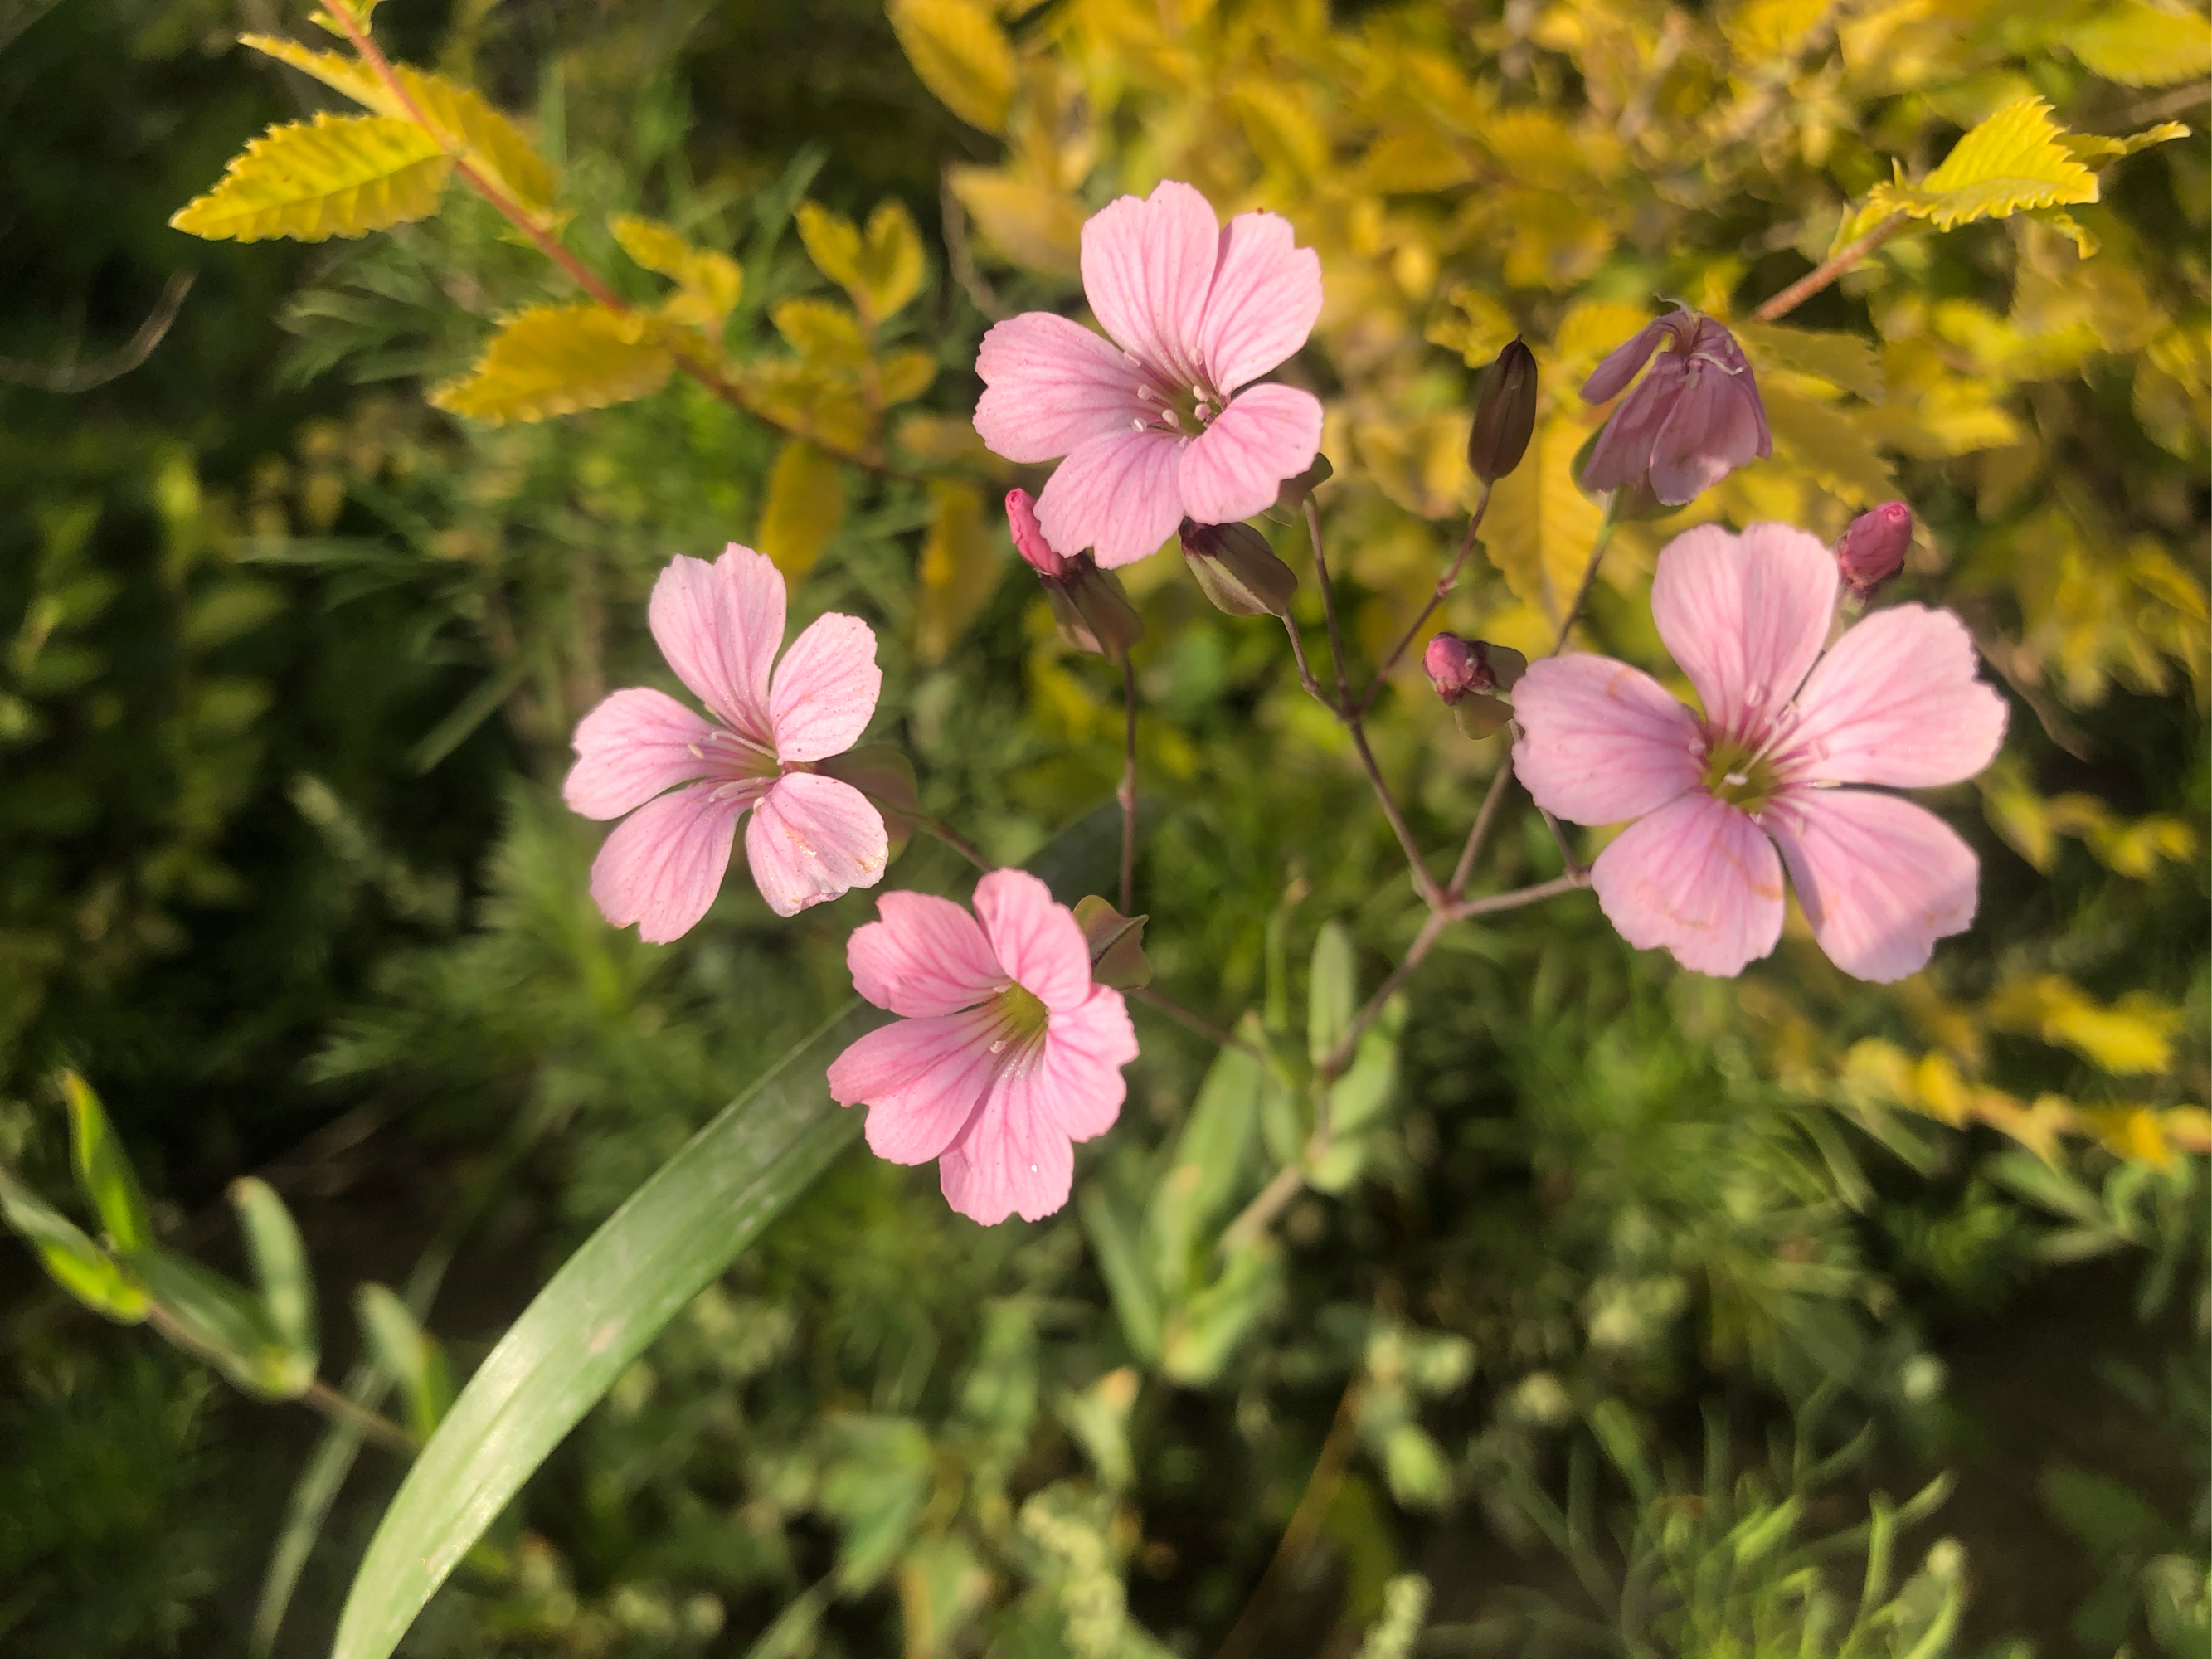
x: 1642, y: 1289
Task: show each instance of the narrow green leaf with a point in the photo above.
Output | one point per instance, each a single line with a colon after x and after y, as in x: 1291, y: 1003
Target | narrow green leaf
x: 224, y: 1324
x: 309, y: 1505
x: 1113, y: 1236
x: 71, y: 1259
x: 1209, y: 1162
x: 103, y: 1171
x: 643, y: 1267
x: 280, y: 1267
x: 411, y: 1357
x: 1332, y: 989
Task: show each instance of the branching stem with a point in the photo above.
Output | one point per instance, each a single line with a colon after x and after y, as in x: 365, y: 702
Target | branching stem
x: 1126, y: 795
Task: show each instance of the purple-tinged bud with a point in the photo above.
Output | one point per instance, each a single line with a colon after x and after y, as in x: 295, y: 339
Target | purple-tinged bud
x: 1093, y: 613
x: 1457, y: 667
x: 1694, y: 418
x: 1237, y: 570
x: 1872, y: 548
x: 1505, y: 413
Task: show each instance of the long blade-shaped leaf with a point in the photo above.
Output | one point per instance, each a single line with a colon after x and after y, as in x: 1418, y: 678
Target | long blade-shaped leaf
x: 608, y: 1301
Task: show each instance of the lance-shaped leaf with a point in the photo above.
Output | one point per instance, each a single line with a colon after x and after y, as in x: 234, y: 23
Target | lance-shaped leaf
x: 710, y: 282
x: 961, y: 54
x: 223, y: 1323
x: 557, y: 360
x: 280, y: 1267
x: 1207, y: 1169
x: 961, y: 560
x: 71, y: 1259
x: 103, y: 1171
x: 881, y: 268
x: 1540, y: 525
x: 1332, y: 989
x: 805, y: 504
x: 339, y: 175
x: 458, y: 117
x: 410, y: 1354
x: 2015, y: 160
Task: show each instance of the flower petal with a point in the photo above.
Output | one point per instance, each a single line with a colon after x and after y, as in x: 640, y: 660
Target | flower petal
x: 1265, y: 300
x: 1116, y: 495
x: 1745, y: 616
x: 1621, y: 363
x: 812, y: 838
x: 1698, y: 878
x: 1079, y: 1081
x: 1895, y: 701
x: 663, y: 863
x: 1716, y: 425
x: 921, y: 1080
x: 1147, y: 267
x: 1051, y: 384
x: 825, y: 689
x: 719, y: 625
x: 1236, y: 467
x: 1622, y: 454
x: 1013, y: 1159
x: 1879, y: 879
x: 1601, y: 741
x: 1036, y: 939
x: 631, y: 746
x: 927, y: 955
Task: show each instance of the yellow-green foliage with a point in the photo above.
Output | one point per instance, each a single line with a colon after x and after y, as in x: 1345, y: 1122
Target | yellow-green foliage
x: 556, y: 360
x: 334, y: 176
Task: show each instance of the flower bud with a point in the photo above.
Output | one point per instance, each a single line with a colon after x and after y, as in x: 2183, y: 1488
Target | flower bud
x: 1093, y: 613
x: 1457, y: 666
x: 1872, y: 548
x: 1505, y: 413
x: 1237, y: 570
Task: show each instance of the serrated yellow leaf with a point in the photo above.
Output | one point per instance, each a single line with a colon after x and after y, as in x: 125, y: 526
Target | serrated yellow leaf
x: 826, y: 335
x: 961, y: 562
x: 961, y: 54
x: 799, y: 397
x: 339, y: 175
x: 1834, y: 444
x: 2143, y: 45
x: 1029, y: 224
x: 557, y: 360
x: 2094, y: 149
x: 359, y: 10
x: 832, y: 241
x: 1845, y: 361
x: 905, y: 375
x: 1541, y: 526
x: 890, y: 261
x: 2012, y: 161
x: 709, y: 281
x: 805, y: 504
x: 463, y: 123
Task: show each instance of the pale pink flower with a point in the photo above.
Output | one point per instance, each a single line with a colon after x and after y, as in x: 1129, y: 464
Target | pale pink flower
x: 811, y: 837
x: 1696, y: 417
x: 1007, y: 1052
x: 1152, y: 421
x: 1893, y: 701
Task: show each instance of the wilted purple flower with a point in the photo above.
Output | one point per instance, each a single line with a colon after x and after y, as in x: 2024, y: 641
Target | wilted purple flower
x: 1694, y: 419
x: 1872, y: 548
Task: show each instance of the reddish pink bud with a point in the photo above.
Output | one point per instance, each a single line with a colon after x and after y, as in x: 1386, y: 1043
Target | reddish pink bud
x: 1457, y: 667
x: 1028, y: 539
x: 1694, y: 418
x: 1872, y: 548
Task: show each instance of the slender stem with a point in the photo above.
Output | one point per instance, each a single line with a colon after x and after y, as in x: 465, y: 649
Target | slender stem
x: 1305, y: 1524
x: 1560, y: 840
x: 688, y: 359
x: 1218, y: 1034
x: 1589, y: 574
x: 1445, y: 583
x: 1328, y: 610
x: 1126, y: 795
x: 1256, y: 1217
x: 1424, y: 883
x: 319, y: 1395
x: 1480, y: 833
x: 1818, y: 279
x: 944, y: 832
x: 1305, y: 669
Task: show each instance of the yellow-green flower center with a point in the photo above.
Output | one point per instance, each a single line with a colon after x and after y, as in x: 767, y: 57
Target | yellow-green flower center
x: 1734, y: 773
x: 1022, y: 1016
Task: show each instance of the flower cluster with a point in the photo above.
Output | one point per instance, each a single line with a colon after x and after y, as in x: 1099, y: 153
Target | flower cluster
x: 1005, y: 1049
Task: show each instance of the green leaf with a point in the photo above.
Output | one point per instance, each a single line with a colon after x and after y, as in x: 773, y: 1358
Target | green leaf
x: 1112, y: 1231
x: 643, y: 1266
x: 71, y: 1259
x: 1205, y: 1332
x: 1332, y: 989
x: 1209, y: 1161
x: 408, y: 1354
x: 280, y: 1267
x: 103, y: 1171
x: 339, y: 175
x: 805, y: 504
x: 876, y: 1479
x: 225, y: 1325
x: 557, y: 360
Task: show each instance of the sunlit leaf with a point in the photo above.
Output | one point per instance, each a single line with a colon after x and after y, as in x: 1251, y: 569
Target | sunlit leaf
x: 337, y: 175
x: 961, y: 54
x: 103, y: 1171
x: 2014, y: 161
x: 280, y: 1267
x: 2143, y: 45
x: 70, y: 1259
x: 557, y: 360
x: 805, y: 504
x: 962, y: 558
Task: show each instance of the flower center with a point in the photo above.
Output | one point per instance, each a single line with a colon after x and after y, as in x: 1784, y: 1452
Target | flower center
x: 736, y: 759
x: 1021, y: 1018
x: 1740, y: 776
x: 1182, y: 410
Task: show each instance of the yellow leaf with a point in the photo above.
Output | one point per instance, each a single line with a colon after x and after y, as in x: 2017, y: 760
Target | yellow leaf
x: 1845, y: 361
x: 961, y: 54
x: 961, y: 560
x: 556, y: 360
x: 358, y: 10
x: 2012, y: 161
x: 1414, y: 162
x: 2133, y: 1036
x: 340, y: 175
x: 2143, y: 45
x: 800, y: 398
x: 1280, y: 127
x: 1540, y: 525
x: 458, y: 118
x: 833, y: 242
x: 709, y: 281
x: 1033, y: 225
x: 1832, y: 445
x: 805, y: 504
x: 822, y: 333
x: 1477, y: 326
x: 1759, y: 30
x: 2095, y: 147
x: 1586, y: 336
x: 882, y: 270
x: 905, y: 375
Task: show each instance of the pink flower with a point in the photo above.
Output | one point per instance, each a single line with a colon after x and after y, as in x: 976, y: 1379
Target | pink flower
x: 1157, y: 431
x: 811, y: 837
x: 1872, y: 548
x: 1006, y: 1055
x: 1696, y: 417
x: 1895, y: 701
